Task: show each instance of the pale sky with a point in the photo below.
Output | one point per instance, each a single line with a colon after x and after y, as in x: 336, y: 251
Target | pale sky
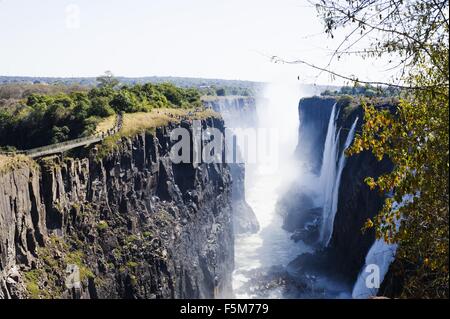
x: 229, y: 39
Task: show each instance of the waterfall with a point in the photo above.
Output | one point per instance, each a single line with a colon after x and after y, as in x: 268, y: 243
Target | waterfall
x: 330, y: 174
x: 342, y: 160
x: 381, y: 255
x: 277, y: 116
x: 328, y: 169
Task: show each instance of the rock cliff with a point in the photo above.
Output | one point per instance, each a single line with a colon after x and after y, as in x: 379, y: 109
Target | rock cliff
x: 345, y: 255
x: 238, y: 112
x: 132, y: 224
x: 356, y: 202
x: 314, y: 113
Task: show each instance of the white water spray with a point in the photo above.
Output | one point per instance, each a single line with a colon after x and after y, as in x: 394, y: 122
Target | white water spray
x: 271, y: 245
x: 381, y: 255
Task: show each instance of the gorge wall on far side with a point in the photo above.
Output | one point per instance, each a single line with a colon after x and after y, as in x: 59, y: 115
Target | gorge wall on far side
x: 238, y: 112
x: 348, y: 246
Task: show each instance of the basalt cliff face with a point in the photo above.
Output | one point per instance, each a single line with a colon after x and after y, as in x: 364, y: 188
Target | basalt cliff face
x: 345, y: 254
x: 238, y: 112
x: 356, y: 201
x: 314, y: 114
x: 132, y: 224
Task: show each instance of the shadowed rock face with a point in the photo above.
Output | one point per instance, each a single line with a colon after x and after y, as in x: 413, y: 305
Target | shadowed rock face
x: 135, y: 224
x: 314, y: 114
x: 356, y: 202
x: 244, y: 219
x: 348, y: 247
x: 238, y: 112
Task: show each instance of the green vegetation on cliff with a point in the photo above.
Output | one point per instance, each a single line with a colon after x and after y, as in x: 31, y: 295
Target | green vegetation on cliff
x: 134, y: 123
x: 8, y: 163
x: 38, y: 119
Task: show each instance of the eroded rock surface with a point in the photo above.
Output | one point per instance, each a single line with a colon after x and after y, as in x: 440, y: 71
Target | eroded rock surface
x: 134, y: 224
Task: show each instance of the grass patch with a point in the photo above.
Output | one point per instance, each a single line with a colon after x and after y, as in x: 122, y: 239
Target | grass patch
x: 131, y: 238
x: 32, y: 278
x: 148, y: 234
x: 77, y: 258
x: 102, y: 225
x: 8, y: 163
x: 137, y: 122
x: 109, y: 144
x: 34, y: 290
x: 134, y: 123
x: 106, y: 124
x: 132, y: 264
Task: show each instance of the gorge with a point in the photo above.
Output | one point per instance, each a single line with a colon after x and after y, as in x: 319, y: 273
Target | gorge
x: 310, y: 243
x: 211, y: 154
x: 284, y: 224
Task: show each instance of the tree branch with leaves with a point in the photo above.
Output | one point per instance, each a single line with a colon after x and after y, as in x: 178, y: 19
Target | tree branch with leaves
x: 414, y: 137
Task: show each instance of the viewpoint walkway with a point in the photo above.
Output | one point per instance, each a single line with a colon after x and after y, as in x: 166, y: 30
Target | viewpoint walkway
x: 68, y: 145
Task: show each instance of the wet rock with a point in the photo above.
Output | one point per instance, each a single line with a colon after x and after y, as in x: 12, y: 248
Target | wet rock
x: 296, y: 207
x: 244, y: 219
x: 276, y: 282
x: 238, y: 112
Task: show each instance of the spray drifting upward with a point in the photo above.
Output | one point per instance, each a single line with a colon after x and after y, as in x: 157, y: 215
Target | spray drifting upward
x: 265, y: 181
x: 330, y: 174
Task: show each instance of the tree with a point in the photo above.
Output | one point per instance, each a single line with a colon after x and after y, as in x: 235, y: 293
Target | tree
x: 107, y: 80
x: 154, y: 96
x: 172, y: 93
x: 60, y: 134
x: 67, y: 113
x: 415, y: 137
x: 100, y: 107
x: 124, y: 101
x: 220, y: 92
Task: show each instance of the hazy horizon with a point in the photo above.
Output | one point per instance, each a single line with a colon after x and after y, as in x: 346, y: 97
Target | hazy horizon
x: 231, y: 40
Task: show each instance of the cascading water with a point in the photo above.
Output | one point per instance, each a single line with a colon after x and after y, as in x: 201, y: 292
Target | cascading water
x: 277, y: 116
x: 272, y: 245
x: 330, y: 174
x: 328, y: 170
x: 329, y: 221
x: 380, y: 255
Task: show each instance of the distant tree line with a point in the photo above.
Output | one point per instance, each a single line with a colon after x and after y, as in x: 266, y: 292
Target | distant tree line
x: 364, y: 90
x: 207, y: 86
x: 228, y: 90
x: 42, y: 118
